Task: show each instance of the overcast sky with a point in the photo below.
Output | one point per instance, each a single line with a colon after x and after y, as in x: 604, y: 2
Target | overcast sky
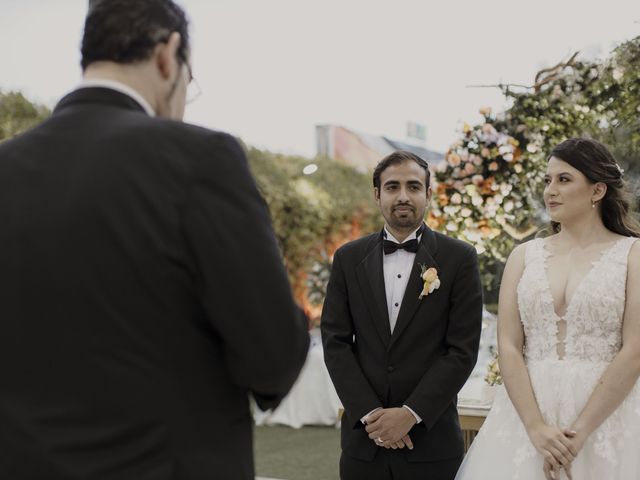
x: 270, y: 70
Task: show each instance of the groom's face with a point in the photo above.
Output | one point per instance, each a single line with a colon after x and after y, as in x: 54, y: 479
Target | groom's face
x: 403, y: 195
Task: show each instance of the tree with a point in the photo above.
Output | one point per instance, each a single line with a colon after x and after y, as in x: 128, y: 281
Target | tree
x: 489, y: 189
x: 18, y: 114
x: 313, y: 215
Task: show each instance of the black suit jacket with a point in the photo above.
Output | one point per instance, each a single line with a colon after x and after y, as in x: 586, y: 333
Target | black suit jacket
x: 142, y: 297
x: 424, y: 363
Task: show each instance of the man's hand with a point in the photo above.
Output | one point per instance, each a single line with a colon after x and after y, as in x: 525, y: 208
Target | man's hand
x: 403, y: 442
x: 388, y: 426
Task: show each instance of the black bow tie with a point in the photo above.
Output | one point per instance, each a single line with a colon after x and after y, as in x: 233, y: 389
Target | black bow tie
x: 410, y: 246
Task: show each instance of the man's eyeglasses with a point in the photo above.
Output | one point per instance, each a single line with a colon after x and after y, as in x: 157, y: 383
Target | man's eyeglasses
x: 193, y: 87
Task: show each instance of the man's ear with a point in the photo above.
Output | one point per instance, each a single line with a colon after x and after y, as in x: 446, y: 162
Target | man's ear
x: 429, y: 194
x: 166, y: 56
x: 599, y: 191
x: 376, y: 193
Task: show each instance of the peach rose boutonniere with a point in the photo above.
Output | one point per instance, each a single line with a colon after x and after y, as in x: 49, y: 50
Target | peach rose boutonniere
x: 431, y: 280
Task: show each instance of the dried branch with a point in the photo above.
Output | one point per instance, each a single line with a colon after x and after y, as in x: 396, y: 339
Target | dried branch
x: 552, y: 73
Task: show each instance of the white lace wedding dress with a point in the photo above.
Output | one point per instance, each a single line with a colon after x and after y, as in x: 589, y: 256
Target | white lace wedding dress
x: 502, y: 450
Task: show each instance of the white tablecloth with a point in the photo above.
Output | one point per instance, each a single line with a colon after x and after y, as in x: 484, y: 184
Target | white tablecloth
x: 312, y: 400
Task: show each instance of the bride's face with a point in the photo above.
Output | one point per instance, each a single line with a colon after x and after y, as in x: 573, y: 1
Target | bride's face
x: 568, y: 194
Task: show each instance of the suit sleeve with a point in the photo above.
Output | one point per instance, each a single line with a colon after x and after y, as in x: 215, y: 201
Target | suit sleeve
x: 240, y: 276
x: 355, y: 392
x: 444, y: 379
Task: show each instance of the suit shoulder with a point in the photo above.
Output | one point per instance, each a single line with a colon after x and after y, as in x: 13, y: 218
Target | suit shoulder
x: 185, y: 132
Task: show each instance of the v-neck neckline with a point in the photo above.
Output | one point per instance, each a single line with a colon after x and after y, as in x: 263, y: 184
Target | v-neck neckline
x: 594, y: 264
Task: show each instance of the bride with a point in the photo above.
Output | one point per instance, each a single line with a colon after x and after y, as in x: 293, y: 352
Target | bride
x: 569, y: 335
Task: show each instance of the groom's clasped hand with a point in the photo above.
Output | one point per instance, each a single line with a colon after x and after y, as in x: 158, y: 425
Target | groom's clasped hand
x: 389, y: 427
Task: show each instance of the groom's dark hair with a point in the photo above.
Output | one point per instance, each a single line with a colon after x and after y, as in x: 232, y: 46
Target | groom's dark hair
x: 126, y: 31
x: 400, y: 156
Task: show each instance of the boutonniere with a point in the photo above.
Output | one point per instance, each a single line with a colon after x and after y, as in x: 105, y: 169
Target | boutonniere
x: 430, y: 278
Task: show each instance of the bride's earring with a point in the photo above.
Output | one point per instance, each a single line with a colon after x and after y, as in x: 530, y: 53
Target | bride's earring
x: 593, y: 204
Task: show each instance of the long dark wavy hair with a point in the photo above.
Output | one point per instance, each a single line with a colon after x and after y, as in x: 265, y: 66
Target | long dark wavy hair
x: 597, y: 163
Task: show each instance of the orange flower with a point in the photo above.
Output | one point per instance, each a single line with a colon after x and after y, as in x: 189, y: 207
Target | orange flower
x: 430, y: 279
x: 453, y: 159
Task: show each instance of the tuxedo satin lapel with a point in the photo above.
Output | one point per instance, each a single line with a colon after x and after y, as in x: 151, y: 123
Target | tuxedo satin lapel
x: 371, y: 277
x: 411, y: 301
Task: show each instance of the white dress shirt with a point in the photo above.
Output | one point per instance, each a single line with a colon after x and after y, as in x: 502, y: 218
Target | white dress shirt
x: 118, y: 87
x: 397, y: 267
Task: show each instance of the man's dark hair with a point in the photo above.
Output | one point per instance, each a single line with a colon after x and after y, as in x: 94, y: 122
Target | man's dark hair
x: 395, y: 158
x: 126, y: 31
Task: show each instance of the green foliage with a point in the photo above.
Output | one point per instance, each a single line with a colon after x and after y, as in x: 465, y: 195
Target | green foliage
x: 18, y: 114
x: 619, y: 90
x: 314, y: 213
x: 576, y: 98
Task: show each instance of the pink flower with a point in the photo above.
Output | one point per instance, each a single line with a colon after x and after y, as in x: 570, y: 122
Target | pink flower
x: 488, y: 129
x: 469, y: 169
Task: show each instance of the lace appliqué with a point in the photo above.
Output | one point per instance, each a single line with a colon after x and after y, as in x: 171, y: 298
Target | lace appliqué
x: 593, y: 338
x: 594, y: 315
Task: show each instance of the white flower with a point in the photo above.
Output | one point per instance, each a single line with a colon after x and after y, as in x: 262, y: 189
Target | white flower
x: 504, y: 149
x: 532, y: 148
x: 465, y: 212
x: 505, y: 189
x: 617, y: 73
x: 456, y: 199
x: 508, y: 206
x: 451, y: 210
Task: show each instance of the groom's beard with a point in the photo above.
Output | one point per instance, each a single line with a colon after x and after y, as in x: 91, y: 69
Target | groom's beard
x: 405, y: 221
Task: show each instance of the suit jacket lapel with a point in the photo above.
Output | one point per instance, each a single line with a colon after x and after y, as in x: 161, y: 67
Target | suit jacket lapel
x: 371, y: 277
x: 410, y: 301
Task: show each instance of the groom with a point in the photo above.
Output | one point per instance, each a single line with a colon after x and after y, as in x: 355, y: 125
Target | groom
x: 401, y: 326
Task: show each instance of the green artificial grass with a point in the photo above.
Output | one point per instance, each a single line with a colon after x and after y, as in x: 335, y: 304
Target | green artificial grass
x: 310, y: 453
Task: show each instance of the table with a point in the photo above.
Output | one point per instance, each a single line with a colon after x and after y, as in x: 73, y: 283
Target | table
x: 312, y: 400
x: 472, y: 415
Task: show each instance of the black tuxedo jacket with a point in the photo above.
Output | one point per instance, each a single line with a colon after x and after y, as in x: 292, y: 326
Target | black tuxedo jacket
x: 142, y: 297
x: 424, y: 363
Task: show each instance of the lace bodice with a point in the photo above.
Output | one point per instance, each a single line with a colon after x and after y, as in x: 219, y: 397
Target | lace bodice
x: 594, y: 315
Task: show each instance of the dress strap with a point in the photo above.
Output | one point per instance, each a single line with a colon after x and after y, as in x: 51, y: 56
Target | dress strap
x: 620, y: 251
x: 533, y: 251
